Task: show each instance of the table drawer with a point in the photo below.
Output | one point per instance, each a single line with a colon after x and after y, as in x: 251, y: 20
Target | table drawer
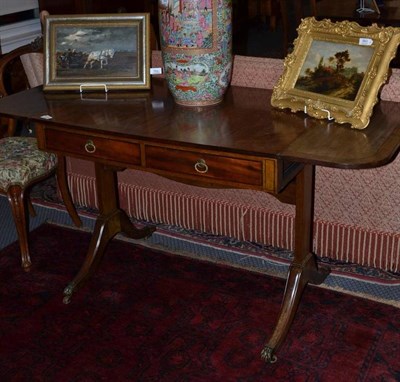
x: 92, y: 147
x: 220, y: 169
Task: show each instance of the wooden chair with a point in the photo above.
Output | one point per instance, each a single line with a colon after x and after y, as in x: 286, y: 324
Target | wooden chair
x: 263, y: 9
x: 305, y: 8
x: 292, y: 11
x: 22, y: 164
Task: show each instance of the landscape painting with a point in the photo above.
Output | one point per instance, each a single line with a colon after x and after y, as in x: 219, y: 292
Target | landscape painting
x: 111, y: 50
x: 334, y: 69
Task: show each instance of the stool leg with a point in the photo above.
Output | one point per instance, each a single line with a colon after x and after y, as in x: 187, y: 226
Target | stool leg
x: 61, y: 174
x: 12, y: 126
x: 15, y: 196
x: 31, y: 209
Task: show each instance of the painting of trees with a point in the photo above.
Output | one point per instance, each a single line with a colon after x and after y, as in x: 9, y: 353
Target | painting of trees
x: 335, y: 75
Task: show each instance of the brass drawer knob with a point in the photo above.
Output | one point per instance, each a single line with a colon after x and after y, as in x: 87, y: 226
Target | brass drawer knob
x: 90, y: 147
x: 201, y: 166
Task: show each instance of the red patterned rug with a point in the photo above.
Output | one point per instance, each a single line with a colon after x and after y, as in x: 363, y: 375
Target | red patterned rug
x: 152, y: 316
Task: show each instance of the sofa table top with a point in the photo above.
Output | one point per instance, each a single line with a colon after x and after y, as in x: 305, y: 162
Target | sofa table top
x: 244, y: 123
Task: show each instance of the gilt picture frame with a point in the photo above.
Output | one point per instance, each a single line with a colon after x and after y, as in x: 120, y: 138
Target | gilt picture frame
x: 336, y: 70
x: 97, y: 52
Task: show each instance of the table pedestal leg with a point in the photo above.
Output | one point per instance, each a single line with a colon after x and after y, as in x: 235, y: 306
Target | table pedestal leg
x: 111, y: 220
x: 304, y: 268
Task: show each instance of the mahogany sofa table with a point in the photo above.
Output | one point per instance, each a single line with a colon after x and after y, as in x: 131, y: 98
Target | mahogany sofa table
x: 241, y: 143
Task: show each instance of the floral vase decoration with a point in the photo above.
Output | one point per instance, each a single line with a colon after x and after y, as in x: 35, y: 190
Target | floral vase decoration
x: 196, y: 45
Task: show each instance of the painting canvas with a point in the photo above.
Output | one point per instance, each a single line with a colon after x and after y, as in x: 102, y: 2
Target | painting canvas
x: 336, y: 70
x: 100, y: 51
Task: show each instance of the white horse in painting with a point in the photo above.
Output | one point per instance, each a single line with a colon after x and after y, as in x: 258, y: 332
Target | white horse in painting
x: 101, y: 56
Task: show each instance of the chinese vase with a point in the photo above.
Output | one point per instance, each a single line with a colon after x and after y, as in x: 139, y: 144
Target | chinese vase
x: 196, y: 45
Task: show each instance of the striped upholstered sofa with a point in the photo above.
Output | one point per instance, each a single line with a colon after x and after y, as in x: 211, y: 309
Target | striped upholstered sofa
x: 357, y: 212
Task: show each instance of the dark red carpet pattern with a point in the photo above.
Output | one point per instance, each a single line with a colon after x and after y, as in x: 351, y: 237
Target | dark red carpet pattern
x: 151, y: 316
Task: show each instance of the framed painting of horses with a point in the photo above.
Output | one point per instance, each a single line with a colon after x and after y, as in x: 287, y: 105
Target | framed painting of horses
x: 97, y: 52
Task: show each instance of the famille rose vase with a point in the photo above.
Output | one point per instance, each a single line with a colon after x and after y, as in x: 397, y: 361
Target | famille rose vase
x: 196, y: 45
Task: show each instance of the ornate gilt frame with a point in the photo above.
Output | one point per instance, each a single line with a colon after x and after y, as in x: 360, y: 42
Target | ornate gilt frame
x: 324, y: 86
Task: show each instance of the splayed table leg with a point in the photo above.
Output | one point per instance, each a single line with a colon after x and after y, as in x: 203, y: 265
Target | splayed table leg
x: 111, y: 220
x: 303, y: 269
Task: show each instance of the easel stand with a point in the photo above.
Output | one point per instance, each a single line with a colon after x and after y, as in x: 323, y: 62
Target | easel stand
x: 364, y: 9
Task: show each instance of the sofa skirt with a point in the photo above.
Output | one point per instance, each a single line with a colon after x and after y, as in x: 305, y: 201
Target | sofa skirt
x: 357, y: 218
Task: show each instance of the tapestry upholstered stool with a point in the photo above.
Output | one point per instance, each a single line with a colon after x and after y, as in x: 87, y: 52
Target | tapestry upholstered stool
x: 21, y: 165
